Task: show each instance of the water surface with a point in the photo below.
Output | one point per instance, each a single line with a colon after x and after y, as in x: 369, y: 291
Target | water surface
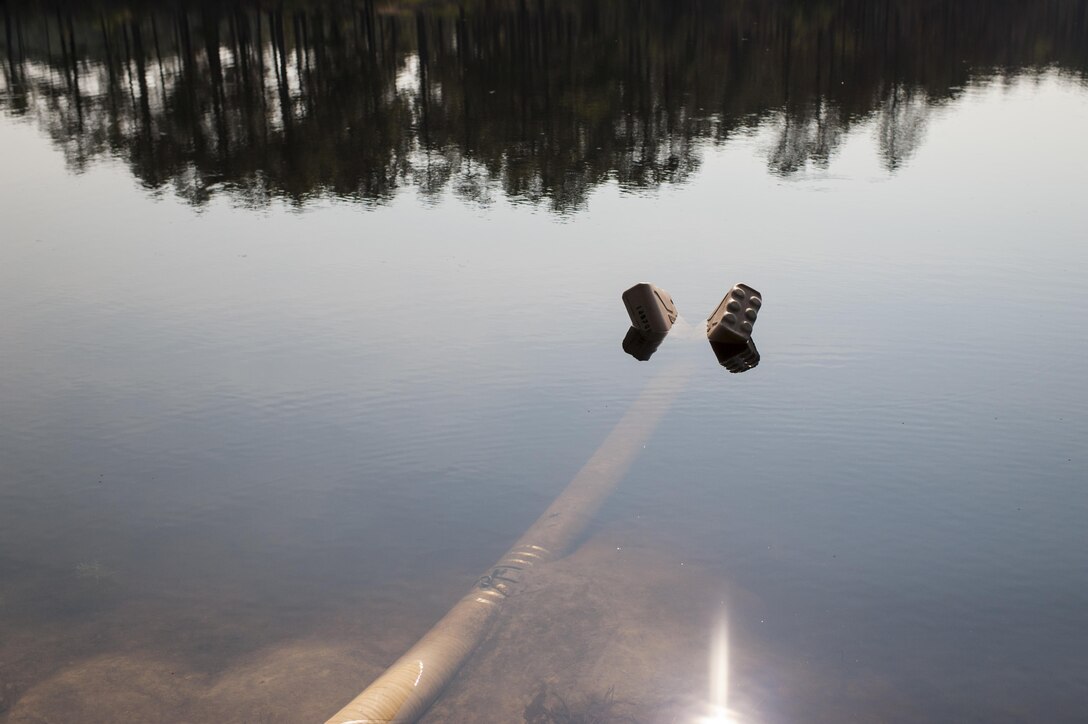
x: 310, y: 311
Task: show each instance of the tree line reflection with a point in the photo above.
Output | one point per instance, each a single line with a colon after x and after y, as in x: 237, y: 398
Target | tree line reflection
x: 540, y: 100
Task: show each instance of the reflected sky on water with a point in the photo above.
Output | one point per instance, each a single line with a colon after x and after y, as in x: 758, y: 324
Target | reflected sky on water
x: 309, y: 311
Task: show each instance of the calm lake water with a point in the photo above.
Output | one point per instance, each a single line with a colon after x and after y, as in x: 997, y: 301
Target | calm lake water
x: 309, y: 310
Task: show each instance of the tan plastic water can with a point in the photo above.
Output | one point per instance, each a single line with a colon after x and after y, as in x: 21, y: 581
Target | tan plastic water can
x: 650, y: 308
x: 733, y: 319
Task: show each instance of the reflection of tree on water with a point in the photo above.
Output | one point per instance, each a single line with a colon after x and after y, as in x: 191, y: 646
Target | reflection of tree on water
x: 543, y: 99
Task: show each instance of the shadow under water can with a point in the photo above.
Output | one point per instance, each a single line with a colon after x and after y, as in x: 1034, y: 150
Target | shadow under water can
x: 736, y: 356
x: 642, y: 345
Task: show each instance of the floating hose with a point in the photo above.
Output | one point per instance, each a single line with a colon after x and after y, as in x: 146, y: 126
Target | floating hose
x: 408, y: 687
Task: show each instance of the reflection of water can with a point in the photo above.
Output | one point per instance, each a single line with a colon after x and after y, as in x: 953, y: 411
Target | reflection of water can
x: 733, y: 319
x: 642, y: 345
x: 651, y: 309
x: 736, y: 356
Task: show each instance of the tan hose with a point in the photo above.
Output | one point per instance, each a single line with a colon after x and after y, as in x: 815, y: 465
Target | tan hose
x: 411, y: 684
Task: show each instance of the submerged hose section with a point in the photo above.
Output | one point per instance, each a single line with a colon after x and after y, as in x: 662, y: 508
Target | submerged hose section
x: 407, y: 688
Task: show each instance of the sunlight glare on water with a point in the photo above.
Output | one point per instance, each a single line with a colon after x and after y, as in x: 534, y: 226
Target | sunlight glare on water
x: 719, y: 712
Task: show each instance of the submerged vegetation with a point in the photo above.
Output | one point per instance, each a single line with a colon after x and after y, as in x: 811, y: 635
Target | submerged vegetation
x: 534, y: 99
x: 548, y: 707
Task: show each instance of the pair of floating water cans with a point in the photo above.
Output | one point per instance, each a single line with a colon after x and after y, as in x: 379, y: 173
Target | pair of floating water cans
x: 729, y: 327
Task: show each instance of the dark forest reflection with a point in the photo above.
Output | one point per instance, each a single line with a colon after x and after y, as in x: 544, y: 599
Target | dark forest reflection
x: 538, y: 100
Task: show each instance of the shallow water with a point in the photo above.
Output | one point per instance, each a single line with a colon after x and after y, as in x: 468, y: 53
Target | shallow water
x: 306, y: 320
